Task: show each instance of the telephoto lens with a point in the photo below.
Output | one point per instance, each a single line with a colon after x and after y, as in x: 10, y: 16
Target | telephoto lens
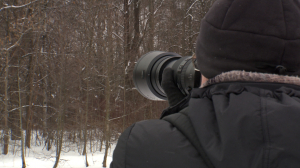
x: 147, y: 73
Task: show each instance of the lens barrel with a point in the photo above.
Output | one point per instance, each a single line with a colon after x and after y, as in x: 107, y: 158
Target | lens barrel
x: 147, y: 74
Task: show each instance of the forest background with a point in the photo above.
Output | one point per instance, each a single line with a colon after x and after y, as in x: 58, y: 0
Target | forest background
x: 66, y: 65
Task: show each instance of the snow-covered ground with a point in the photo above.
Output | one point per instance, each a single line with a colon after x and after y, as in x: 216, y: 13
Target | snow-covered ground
x: 39, y: 157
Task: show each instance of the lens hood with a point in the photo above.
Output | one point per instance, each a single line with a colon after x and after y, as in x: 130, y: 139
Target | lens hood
x: 148, y: 71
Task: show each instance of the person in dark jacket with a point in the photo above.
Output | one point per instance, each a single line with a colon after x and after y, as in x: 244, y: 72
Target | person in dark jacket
x: 247, y: 111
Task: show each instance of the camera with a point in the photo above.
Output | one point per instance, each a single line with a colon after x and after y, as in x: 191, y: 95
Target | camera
x: 147, y: 73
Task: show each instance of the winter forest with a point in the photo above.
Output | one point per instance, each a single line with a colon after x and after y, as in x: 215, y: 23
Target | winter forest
x: 66, y: 68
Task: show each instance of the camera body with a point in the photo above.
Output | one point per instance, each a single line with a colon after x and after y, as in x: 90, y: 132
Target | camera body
x: 147, y: 73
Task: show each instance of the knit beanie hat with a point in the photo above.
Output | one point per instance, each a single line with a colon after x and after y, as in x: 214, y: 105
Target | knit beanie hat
x: 251, y: 35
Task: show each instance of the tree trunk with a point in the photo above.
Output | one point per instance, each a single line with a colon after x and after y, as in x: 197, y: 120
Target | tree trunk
x: 61, y: 90
x: 189, y: 38
x: 20, y: 115
x: 45, y: 100
x: 126, y: 60
x: 5, y: 113
x: 5, y: 116
x: 150, y: 42
x: 86, y: 115
x: 59, y: 141
x: 45, y: 80
x: 136, y: 40
x: 60, y: 124
x: 109, y: 58
x: 29, y: 100
x: 107, y: 110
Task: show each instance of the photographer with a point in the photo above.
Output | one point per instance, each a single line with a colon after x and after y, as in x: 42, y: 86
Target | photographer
x: 246, y: 112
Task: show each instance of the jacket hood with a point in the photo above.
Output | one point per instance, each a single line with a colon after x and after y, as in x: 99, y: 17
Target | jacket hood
x: 251, y: 35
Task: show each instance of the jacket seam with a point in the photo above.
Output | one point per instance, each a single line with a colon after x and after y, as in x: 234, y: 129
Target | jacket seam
x: 268, y: 134
x: 265, y: 131
x: 262, y: 127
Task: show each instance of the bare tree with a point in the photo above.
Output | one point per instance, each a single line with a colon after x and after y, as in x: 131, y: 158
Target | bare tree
x: 76, y: 63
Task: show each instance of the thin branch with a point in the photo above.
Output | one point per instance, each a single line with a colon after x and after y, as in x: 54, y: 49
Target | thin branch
x: 33, y: 105
x: 190, y: 16
x: 159, y: 7
x: 191, y: 7
x: 16, y: 7
x: 18, y: 42
x: 40, y: 79
x: 118, y: 36
x: 137, y: 110
x: 26, y: 55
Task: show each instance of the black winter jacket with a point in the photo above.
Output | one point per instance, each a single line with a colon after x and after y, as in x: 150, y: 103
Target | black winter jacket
x: 239, y: 125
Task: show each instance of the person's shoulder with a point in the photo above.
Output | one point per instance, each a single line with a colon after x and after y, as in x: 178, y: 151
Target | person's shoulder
x: 154, y: 143
x: 154, y: 126
x: 149, y: 131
